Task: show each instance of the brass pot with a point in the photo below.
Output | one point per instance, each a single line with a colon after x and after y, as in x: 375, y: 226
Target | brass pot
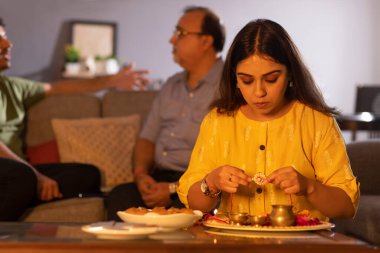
x: 258, y: 220
x: 282, y: 215
x: 239, y: 218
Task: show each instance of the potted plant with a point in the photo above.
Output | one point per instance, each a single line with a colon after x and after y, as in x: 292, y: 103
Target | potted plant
x: 72, y: 57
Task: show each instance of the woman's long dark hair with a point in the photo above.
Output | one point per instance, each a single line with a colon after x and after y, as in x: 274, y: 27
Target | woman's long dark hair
x: 268, y: 39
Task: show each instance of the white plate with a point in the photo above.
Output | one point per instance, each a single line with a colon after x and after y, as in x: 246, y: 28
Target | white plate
x: 221, y: 225
x: 167, y: 222
x: 119, y: 230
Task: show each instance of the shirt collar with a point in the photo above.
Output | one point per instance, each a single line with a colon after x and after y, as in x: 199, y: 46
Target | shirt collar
x: 212, y: 76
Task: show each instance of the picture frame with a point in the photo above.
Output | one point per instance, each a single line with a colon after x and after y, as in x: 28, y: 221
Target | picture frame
x: 94, y: 38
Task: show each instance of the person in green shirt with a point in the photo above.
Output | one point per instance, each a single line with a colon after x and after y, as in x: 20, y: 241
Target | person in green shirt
x: 22, y: 184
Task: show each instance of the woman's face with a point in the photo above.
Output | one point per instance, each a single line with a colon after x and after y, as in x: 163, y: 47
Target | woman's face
x: 263, y: 83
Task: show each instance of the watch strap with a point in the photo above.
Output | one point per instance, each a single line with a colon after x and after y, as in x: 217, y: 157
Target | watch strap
x: 207, y: 191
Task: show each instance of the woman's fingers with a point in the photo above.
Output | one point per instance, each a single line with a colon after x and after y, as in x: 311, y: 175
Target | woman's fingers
x: 289, y: 180
x: 235, y: 180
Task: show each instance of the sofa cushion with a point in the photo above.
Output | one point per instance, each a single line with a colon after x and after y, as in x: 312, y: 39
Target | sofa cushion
x: 43, y: 153
x: 365, y: 225
x: 69, y: 210
x: 104, y: 142
x: 39, y: 129
x: 123, y: 103
x: 364, y: 158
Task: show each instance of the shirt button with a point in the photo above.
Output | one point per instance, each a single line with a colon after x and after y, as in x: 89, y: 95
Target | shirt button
x: 172, y: 134
x: 262, y: 147
x: 259, y: 190
x: 191, y: 95
x: 164, y: 153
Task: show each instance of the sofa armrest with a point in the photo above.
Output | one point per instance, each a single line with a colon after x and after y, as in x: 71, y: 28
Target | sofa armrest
x: 366, y: 224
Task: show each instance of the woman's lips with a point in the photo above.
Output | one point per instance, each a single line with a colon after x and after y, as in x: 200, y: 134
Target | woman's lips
x: 261, y: 105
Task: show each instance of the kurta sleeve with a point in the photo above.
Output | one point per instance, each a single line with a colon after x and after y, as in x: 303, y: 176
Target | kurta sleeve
x: 203, y: 156
x: 331, y: 163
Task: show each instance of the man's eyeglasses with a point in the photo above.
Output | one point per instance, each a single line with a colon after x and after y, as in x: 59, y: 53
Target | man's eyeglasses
x: 179, y: 33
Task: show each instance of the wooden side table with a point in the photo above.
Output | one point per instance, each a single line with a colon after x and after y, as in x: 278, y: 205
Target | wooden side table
x: 359, y: 121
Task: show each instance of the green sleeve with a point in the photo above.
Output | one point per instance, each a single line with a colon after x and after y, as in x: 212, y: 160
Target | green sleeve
x: 30, y: 92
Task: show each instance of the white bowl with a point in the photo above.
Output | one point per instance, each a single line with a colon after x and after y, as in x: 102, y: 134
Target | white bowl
x: 166, y: 222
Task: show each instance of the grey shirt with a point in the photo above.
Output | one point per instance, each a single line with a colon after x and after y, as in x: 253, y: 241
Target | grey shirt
x: 177, y: 112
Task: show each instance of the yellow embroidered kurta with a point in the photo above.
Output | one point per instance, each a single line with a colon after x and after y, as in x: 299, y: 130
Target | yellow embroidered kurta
x: 303, y: 138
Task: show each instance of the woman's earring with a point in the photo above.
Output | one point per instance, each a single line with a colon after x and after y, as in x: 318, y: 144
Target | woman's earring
x: 237, y: 86
x: 291, y: 84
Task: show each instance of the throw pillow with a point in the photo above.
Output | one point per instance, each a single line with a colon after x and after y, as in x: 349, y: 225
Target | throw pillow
x: 43, y: 153
x: 104, y: 142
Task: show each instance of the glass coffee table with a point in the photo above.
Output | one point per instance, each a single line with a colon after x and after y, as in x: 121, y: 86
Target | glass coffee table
x: 62, y: 237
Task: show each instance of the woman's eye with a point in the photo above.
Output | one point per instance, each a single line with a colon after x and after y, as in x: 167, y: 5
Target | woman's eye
x: 271, y: 80
x: 247, y: 82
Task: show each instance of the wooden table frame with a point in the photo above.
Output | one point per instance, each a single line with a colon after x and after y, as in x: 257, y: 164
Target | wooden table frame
x: 43, y: 237
x: 360, y: 121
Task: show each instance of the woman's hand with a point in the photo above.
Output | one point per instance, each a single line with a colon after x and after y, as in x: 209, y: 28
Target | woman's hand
x: 290, y: 181
x: 227, y: 178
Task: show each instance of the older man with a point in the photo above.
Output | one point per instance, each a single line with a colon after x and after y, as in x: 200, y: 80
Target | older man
x: 21, y: 184
x: 162, y: 152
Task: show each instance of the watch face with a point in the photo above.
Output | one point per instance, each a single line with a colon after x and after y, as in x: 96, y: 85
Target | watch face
x: 172, y: 188
x: 203, y: 186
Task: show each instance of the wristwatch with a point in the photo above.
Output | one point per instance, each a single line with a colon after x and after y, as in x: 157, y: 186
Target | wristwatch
x: 207, y: 191
x: 173, y: 191
x: 172, y: 188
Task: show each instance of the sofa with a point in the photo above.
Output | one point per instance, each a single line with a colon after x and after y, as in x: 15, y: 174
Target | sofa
x: 43, y: 145
x: 365, y: 162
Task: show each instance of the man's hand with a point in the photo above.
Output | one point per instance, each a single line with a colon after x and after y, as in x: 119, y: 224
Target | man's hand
x: 127, y: 78
x: 153, y: 193
x: 145, y: 184
x: 159, y: 197
x: 47, y: 188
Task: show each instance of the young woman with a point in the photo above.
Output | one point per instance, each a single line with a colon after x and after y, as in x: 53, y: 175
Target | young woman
x: 271, y: 123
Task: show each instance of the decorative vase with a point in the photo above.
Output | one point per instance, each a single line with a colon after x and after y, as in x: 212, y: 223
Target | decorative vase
x: 112, y: 66
x: 72, y: 68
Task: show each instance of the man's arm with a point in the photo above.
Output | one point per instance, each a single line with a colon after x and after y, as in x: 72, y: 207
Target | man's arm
x: 47, y: 188
x: 125, y: 79
x: 153, y: 193
x: 5, y: 152
x: 143, y: 157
